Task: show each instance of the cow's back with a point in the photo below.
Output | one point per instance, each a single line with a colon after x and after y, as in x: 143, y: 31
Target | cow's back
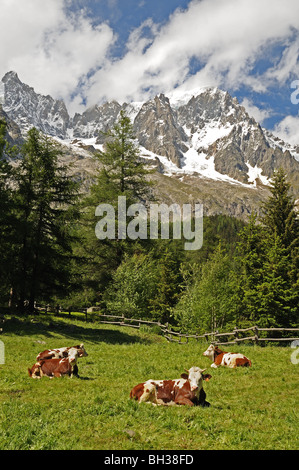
x: 53, y: 354
x: 233, y: 360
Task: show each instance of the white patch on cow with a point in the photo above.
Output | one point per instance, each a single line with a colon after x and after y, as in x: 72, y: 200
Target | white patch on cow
x: 180, y: 383
x: 229, y: 359
x: 168, y: 403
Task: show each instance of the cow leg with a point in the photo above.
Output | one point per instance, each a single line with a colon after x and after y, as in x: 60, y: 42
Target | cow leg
x: 184, y: 401
x: 75, y: 371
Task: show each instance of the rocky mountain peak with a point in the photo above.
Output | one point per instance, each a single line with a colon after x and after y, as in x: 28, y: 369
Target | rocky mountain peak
x: 205, y: 133
x: 157, y: 129
x: 27, y: 108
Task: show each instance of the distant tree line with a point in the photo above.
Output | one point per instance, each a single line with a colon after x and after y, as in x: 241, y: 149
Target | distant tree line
x: 244, y: 274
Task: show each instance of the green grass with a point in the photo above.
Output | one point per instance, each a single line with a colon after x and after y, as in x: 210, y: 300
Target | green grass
x: 252, y: 408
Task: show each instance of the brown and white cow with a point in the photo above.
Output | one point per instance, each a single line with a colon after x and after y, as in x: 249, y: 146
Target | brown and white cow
x: 55, y: 367
x: 188, y: 390
x: 62, y: 353
x: 228, y: 359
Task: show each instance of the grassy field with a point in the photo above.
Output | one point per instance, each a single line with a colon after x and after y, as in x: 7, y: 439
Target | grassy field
x: 252, y: 408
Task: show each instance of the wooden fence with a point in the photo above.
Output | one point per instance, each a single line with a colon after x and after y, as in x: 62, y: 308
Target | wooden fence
x: 232, y: 337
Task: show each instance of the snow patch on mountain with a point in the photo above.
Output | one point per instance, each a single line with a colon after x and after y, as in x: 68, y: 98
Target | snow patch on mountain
x: 206, y: 136
x: 179, y: 98
x: 2, y: 93
x: 275, y: 141
x: 255, y: 173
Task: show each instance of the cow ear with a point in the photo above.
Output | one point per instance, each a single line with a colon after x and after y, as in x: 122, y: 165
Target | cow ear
x: 206, y: 377
x: 184, y: 376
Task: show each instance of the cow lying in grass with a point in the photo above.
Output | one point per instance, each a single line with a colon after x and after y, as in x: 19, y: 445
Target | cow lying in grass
x: 228, y: 359
x: 55, y: 367
x: 61, y: 353
x: 188, y: 390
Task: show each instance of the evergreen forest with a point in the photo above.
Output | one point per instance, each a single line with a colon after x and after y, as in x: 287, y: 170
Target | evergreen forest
x: 245, y: 273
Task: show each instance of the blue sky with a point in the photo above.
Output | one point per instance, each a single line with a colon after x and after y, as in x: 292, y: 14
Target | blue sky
x: 87, y: 52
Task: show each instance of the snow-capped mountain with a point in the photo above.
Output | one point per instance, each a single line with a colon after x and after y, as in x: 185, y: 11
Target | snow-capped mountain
x: 205, y: 133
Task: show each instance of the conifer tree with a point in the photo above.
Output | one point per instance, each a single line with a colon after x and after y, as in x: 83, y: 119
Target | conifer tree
x: 7, y: 219
x: 121, y: 173
x: 279, y: 215
x: 268, y: 293
x: 45, y: 200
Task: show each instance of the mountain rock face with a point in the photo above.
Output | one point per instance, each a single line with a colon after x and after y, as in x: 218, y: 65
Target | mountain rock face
x: 29, y: 109
x: 13, y: 132
x: 208, y: 135
x: 95, y: 121
x: 157, y: 129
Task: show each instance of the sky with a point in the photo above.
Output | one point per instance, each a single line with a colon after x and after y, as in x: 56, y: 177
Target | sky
x: 89, y: 52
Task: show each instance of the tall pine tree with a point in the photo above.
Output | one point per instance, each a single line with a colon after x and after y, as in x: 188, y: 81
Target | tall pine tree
x: 7, y: 215
x: 268, y: 293
x: 45, y: 200
x: 121, y: 173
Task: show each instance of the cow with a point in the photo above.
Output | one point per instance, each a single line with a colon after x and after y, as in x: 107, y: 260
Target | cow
x: 62, y: 353
x: 188, y: 390
x: 228, y: 359
x: 55, y: 367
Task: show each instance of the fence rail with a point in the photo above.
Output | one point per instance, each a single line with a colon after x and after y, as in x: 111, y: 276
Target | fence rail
x: 177, y: 336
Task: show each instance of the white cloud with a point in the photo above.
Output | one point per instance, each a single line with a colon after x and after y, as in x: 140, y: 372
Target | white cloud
x: 227, y: 37
x: 69, y: 57
x: 288, y: 129
x: 49, y: 49
x: 258, y: 114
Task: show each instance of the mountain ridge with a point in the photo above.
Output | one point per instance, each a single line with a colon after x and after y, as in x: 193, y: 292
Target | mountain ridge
x: 207, y: 136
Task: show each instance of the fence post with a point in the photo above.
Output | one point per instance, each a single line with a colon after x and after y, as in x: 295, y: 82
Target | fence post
x: 236, y: 333
x: 166, y: 324
x: 256, y: 335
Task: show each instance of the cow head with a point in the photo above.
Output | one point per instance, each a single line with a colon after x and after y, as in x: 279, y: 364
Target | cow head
x: 195, y: 377
x: 73, y: 355
x: 211, y: 351
x: 81, y: 350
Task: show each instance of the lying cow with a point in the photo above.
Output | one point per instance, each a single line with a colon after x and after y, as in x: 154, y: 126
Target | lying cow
x: 228, y: 359
x: 55, y: 367
x: 63, y: 353
x: 188, y: 390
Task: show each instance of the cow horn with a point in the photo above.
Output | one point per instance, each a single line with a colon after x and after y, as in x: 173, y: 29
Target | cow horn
x: 186, y: 370
x: 202, y: 370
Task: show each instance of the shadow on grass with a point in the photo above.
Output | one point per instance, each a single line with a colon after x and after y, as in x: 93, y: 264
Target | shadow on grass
x: 76, y: 333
